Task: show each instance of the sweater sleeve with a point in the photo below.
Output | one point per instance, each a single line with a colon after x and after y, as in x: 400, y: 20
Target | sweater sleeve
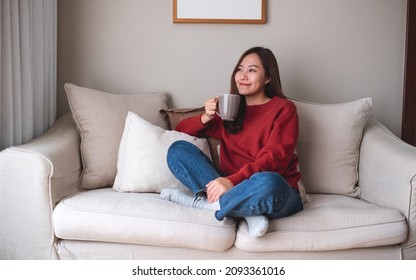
x: 193, y: 126
x: 277, y: 154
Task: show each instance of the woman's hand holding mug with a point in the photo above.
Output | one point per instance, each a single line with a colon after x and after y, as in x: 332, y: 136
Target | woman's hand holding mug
x: 210, y: 110
x: 226, y: 106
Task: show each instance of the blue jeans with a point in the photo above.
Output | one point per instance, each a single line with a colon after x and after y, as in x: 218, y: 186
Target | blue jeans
x: 264, y: 193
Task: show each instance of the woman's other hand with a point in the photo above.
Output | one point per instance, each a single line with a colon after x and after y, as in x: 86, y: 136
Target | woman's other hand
x: 216, y: 188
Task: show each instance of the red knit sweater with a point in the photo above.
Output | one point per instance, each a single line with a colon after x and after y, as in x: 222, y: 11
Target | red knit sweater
x: 266, y: 143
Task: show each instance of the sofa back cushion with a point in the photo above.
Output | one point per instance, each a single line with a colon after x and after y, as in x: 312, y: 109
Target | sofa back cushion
x: 100, y: 119
x: 329, y: 144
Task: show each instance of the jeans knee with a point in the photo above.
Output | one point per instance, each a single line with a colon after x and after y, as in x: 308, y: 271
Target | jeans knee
x: 176, y: 149
x: 269, y: 182
x: 180, y: 149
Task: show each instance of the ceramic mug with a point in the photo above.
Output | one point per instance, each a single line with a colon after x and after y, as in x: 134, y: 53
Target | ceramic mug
x: 228, y: 106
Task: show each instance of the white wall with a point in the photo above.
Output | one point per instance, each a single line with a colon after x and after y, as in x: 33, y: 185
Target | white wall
x: 329, y: 51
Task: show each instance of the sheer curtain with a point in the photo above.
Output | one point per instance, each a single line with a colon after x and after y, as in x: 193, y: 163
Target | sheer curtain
x: 27, y: 69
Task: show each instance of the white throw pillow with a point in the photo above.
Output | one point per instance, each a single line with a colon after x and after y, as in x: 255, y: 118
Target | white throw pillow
x: 141, y: 165
x: 329, y: 145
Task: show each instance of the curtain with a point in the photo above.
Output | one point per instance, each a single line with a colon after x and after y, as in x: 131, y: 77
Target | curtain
x: 27, y: 69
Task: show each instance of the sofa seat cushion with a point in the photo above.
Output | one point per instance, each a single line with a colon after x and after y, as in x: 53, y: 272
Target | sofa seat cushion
x: 329, y: 222
x: 140, y: 218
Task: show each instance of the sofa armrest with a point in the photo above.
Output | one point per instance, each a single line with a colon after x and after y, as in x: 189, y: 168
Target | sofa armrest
x: 387, y: 174
x: 34, y: 177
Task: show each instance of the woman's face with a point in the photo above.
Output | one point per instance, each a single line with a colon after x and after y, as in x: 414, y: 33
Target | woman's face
x: 251, y: 77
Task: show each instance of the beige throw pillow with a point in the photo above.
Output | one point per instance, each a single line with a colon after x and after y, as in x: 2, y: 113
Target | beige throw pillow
x: 100, y: 118
x: 329, y: 145
x: 142, y: 165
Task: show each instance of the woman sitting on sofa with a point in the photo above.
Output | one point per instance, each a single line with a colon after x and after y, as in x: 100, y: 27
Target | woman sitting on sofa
x: 258, y: 177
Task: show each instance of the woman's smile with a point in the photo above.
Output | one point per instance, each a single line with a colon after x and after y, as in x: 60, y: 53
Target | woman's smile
x: 243, y: 84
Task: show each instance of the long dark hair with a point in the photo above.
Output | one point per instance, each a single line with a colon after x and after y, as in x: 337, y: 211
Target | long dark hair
x: 273, y: 88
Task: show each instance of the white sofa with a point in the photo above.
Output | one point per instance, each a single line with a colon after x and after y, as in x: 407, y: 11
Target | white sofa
x: 58, y: 200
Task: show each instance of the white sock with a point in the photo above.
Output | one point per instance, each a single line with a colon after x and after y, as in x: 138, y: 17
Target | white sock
x: 182, y: 198
x: 257, y: 225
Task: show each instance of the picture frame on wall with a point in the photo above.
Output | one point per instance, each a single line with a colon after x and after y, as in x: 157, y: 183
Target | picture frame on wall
x: 219, y: 11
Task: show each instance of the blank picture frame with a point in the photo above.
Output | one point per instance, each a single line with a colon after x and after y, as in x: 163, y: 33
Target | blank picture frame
x: 219, y: 11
